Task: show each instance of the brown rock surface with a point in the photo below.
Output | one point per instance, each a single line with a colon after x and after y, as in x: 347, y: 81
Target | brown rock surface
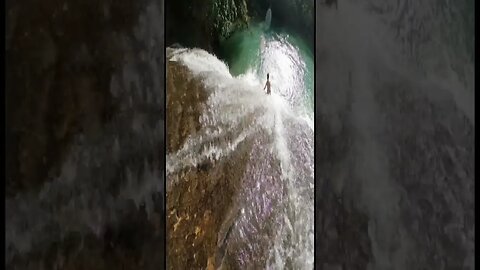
x: 197, y: 206
x: 185, y: 98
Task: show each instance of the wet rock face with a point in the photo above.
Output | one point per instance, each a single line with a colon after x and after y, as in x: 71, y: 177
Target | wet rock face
x: 229, y: 16
x: 227, y: 203
x: 184, y: 107
x: 201, y: 197
x: 196, y: 210
x: 204, y: 200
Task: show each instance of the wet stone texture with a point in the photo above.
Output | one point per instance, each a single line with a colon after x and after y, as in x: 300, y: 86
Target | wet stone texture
x: 201, y: 198
x: 185, y: 99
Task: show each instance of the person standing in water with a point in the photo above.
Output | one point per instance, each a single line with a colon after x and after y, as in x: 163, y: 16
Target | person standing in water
x: 267, y: 84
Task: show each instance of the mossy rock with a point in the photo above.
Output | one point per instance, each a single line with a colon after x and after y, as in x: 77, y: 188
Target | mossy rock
x: 229, y: 16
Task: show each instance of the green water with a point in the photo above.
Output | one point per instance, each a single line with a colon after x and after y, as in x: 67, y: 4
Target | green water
x: 242, y: 53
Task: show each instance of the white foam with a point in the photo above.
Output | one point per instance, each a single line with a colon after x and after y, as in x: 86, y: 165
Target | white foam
x: 237, y: 109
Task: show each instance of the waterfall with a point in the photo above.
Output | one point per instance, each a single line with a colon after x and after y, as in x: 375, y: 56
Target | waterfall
x: 274, y: 189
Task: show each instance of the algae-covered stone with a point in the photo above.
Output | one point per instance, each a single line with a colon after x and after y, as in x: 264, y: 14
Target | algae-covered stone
x: 228, y: 17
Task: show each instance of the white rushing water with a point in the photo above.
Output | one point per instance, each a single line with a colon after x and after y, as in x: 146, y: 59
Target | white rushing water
x: 238, y: 110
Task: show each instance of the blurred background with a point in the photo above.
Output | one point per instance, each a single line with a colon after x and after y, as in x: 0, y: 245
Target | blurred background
x: 84, y: 135
x: 395, y: 128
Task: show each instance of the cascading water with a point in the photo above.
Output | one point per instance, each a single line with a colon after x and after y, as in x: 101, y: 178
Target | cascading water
x: 274, y: 227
